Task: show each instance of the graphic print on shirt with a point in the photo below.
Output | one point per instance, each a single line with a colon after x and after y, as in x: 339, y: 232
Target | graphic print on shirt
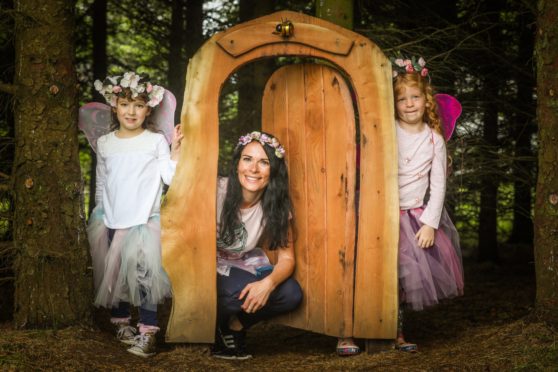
x: 238, y: 242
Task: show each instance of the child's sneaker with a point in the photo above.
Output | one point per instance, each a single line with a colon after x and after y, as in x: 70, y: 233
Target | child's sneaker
x: 230, y: 344
x: 144, y: 345
x: 125, y: 333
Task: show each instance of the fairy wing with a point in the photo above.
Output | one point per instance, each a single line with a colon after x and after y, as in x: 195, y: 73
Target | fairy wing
x: 163, y: 115
x: 95, y: 118
x: 449, y: 110
x: 94, y: 121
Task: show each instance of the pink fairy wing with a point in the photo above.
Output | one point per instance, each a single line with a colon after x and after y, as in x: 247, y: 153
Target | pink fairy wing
x: 94, y: 121
x: 449, y: 110
x: 163, y: 115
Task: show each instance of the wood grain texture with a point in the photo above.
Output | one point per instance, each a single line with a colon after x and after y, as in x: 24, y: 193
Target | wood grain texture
x: 188, y: 213
x: 248, y: 38
x: 321, y: 156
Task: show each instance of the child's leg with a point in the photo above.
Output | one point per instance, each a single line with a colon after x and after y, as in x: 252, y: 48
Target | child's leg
x: 400, y: 343
x: 148, y: 318
x: 144, y: 345
x: 121, y: 313
x: 120, y: 317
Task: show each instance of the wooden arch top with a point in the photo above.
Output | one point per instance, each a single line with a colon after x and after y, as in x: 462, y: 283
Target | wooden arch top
x: 188, y: 215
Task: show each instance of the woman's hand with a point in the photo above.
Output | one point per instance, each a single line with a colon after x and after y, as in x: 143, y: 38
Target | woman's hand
x: 176, y: 144
x: 425, y: 236
x: 257, y: 294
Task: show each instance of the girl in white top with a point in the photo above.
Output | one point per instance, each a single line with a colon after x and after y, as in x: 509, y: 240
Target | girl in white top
x: 429, y: 258
x: 133, y: 162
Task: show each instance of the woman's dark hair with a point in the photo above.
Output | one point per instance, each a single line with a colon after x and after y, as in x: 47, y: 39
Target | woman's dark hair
x: 276, y: 204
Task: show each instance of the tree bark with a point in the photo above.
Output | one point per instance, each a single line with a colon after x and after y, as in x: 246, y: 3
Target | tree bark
x: 489, y: 182
x: 524, y: 128
x: 252, y: 77
x: 546, y: 204
x: 176, y: 72
x: 488, y: 242
x: 53, y: 282
x: 100, y: 68
x: 340, y: 12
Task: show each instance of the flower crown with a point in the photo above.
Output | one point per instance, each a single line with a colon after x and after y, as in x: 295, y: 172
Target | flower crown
x: 406, y: 66
x: 264, y: 139
x: 112, y: 88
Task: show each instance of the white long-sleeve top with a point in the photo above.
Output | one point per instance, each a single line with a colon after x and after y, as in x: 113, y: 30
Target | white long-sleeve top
x: 422, y: 164
x: 130, y: 176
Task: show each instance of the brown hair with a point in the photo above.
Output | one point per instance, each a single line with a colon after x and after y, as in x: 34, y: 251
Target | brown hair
x: 431, y: 117
x: 127, y: 94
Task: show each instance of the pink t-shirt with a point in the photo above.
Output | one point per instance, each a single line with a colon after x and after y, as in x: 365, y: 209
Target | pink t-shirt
x: 243, y: 253
x: 422, y: 165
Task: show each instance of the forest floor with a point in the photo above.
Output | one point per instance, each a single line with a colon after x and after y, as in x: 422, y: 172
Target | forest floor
x: 491, y: 328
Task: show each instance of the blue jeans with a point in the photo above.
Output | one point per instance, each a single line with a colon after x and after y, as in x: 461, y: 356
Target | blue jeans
x: 286, y: 297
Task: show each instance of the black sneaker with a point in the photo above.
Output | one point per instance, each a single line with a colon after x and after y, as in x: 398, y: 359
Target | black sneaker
x: 230, y: 345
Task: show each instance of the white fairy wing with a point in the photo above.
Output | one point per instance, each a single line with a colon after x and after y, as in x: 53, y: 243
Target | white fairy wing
x: 163, y: 115
x: 94, y: 121
x: 449, y: 110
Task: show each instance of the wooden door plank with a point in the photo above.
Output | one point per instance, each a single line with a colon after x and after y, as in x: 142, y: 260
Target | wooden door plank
x: 340, y: 212
x: 316, y: 192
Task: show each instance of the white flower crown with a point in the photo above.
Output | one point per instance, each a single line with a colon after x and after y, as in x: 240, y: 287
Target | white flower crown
x: 264, y: 139
x: 111, y: 89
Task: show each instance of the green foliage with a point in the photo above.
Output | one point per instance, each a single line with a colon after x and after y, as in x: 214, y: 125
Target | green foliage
x: 454, y: 38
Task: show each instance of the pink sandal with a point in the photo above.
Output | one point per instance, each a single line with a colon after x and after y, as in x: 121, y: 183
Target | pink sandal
x: 347, y: 347
x: 402, y: 345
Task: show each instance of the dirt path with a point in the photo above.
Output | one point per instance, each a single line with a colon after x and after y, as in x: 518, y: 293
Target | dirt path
x: 488, y: 329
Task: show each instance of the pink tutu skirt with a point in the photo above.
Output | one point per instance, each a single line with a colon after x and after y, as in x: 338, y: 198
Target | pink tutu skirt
x: 428, y: 275
x: 130, y: 269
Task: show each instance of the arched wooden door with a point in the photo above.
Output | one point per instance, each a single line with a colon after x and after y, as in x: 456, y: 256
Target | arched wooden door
x: 189, y: 209
x: 309, y: 108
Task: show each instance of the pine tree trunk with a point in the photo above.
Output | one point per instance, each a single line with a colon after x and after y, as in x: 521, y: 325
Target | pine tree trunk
x: 337, y: 11
x: 185, y: 38
x: 176, y: 72
x: 252, y: 78
x: 488, y: 243
x: 53, y: 282
x: 100, y: 67
x: 489, y: 182
x: 546, y: 204
x: 523, y: 174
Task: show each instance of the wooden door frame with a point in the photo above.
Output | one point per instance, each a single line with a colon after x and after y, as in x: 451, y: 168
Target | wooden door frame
x: 188, y: 213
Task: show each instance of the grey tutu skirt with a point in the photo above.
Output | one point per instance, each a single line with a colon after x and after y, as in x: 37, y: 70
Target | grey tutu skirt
x: 130, y: 269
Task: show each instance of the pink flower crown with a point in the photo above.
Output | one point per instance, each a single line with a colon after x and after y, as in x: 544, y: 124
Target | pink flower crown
x: 264, y: 139
x: 409, y: 65
x: 113, y: 86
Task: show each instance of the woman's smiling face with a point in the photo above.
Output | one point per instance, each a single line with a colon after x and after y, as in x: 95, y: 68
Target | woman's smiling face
x: 253, y: 172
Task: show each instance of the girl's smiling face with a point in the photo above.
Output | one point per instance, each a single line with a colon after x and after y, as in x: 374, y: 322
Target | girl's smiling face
x: 410, y: 104
x: 131, y: 114
x: 253, y: 172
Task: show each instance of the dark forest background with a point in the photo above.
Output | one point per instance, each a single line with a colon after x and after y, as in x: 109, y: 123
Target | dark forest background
x: 478, y: 50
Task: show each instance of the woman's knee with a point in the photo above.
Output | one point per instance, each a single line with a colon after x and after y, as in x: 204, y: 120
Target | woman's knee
x: 291, y: 294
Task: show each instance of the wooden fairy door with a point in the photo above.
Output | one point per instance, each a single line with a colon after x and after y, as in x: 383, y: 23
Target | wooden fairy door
x: 309, y: 108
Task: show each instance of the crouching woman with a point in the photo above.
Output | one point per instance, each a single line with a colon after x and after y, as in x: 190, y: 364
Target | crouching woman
x: 253, y: 210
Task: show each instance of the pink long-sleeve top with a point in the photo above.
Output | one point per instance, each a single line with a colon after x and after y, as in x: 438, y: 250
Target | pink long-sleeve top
x: 422, y: 164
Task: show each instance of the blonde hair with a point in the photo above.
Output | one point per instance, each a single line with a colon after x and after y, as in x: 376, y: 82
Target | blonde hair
x: 430, y: 117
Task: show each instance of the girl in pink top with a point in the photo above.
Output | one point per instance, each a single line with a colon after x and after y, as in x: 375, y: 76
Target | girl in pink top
x: 429, y: 258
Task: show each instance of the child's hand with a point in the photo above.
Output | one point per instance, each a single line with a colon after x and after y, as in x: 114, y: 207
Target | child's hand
x: 176, y: 144
x: 425, y: 236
